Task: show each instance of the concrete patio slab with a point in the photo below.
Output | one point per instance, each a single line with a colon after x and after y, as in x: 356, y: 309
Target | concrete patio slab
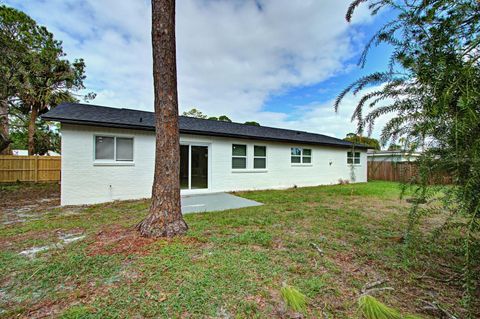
x: 214, y: 202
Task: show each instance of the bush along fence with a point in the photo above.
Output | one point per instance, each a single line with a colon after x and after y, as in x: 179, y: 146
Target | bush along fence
x: 400, y: 172
x: 30, y: 168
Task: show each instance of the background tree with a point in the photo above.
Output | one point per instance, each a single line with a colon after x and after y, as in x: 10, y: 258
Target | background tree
x: 394, y: 147
x: 200, y: 115
x: 358, y: 139
x: 165, y: 217
x: 50, y: 81
x: 47, y: 135
x: 195, y: 113
x: 224, y: 118
x: 35, y: 75
x: 431, y: 86
x: 19, y: 34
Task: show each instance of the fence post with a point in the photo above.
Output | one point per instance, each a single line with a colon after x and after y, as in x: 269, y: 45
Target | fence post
x: 36, y: 168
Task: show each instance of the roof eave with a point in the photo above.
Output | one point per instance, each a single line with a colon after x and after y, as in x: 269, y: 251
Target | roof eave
x: 194, y: 132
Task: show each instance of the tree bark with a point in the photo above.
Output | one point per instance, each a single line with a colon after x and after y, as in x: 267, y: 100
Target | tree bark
x: 31, y: 131
x: 4, y: 133
x: 165, y: 217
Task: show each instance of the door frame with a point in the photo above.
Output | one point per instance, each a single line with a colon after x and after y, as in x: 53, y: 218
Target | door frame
x: 188, y: 190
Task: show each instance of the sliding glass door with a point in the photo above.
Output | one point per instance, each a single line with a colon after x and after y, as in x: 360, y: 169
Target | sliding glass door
x: 193, y: 167
x: 184, y: 166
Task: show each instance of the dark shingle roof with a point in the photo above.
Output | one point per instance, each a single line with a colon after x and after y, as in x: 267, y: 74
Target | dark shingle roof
x: 87, y: 114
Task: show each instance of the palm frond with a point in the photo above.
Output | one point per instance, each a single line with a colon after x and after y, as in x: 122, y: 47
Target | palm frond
x: 358, y: 85
x: 352, y: 7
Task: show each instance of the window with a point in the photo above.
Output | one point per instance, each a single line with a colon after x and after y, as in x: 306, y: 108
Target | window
x: 104, y: 148
x: 307, y: 155
x: 124, y: 149
x: 301, y: 155
x: 111, y: 148
x: 259, y: 156
x: 353, y: 158
x: 239, y: 156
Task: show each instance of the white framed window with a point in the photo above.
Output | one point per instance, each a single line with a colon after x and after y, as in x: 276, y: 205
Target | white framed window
x: 239, y: 156
x: 259, y: 157
x: 301, y: 155
x: 113, y: 149
x: 353, y: 158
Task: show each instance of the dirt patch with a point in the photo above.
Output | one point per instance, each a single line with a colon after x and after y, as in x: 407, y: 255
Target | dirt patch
x: 12, y: 242
x: 25, y: 202
x: 312, y: 204
x: 45, y: 309
x: 64, y: 238
x: 350, y: 269
x: 119, y: 240
x: 16, y: 196
x: 54, y: 308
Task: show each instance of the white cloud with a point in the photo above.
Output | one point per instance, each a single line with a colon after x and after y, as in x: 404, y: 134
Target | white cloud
x: 321, y: 118
x: 231, y: 55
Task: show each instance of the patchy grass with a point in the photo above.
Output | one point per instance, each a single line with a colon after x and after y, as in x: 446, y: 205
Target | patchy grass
x: 232, y: 263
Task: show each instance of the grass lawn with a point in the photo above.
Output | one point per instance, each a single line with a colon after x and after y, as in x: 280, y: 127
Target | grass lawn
x: 231, y: 264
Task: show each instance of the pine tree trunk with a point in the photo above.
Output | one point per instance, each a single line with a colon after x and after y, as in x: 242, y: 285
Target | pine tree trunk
x: 165, y: 217
x: 31, y: 131
x: 4, y: 133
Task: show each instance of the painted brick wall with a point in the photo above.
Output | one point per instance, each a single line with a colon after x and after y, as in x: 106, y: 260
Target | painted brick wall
x: 85, y: 182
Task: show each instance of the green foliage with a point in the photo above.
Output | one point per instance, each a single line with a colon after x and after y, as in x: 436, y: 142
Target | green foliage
x: 195, y: 113
x: 35, y: 75
x: 293, y: 298
x: 252, y: 123
x: 394, y: 147
x: 371, y: 308
x: 19, y: 35
x: 224, y: 118
x: 47, y: 136
x: 431, y: 87
x: 358, y: 139
x: 200, y: 115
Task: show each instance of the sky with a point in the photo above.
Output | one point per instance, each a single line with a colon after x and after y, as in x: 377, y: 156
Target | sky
x: 278, y: 62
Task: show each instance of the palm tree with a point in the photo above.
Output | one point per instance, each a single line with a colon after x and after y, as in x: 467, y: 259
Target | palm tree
x: 50, y: 81
x: 165, y: 216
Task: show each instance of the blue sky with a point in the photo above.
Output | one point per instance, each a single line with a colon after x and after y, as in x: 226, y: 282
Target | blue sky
x: 327, y: 90
x: 281, y: 65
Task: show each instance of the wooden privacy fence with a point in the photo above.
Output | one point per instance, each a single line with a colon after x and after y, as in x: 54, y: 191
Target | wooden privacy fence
x: 30, y: 168
x: 400, y: 172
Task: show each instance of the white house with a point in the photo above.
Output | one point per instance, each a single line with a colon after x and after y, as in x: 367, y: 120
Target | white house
x: 108, y: 154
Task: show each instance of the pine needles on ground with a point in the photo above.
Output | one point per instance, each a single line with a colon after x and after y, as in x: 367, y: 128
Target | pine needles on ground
x: 293, y: 298
x: 371, y: 308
